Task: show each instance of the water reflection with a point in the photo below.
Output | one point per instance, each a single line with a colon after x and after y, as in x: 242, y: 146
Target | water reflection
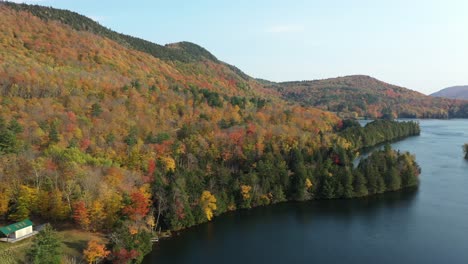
x: 350, y: 208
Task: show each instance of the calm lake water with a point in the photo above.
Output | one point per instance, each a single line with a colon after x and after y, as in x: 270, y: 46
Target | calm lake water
x: 424, y: 225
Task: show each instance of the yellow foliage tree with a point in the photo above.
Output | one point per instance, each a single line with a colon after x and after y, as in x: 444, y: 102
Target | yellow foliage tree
x: 169, y: 163
x: 208, y: 204
x: 97, y: 214
x: 25, y: 204
x: 308, y: 183
x: 58, y: 207
x: 5, y: 196
x: 112, y: 202
x: 245, y: 191
x: 150, y: 221
x: 265, y: 199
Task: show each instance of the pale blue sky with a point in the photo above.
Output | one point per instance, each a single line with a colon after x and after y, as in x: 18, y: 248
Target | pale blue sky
x: 419, y: 44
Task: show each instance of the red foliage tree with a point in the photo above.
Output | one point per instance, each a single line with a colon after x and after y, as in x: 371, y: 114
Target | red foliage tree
x: 139, y: 207
x: 80, y: 215
x: 124, y: 256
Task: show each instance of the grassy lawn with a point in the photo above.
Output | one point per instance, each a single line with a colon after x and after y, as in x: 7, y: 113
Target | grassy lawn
x: 14, y: 253
x: 73, y: 243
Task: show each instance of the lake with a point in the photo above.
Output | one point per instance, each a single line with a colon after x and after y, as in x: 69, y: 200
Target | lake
x: 424, y: 225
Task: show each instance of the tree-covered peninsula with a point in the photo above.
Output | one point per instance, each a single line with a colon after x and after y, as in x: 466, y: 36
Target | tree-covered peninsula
x: 377, y: 132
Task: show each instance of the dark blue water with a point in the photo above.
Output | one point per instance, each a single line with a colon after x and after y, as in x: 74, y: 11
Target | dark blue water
x: 424, y: 225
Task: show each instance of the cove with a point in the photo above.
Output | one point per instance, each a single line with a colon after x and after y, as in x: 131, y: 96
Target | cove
x: 428, y: 224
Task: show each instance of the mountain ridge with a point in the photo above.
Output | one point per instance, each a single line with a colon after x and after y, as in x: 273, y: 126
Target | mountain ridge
x: 171, y: 51
x: 453, y: 92
x: 364, y: 79
x: 365, y: 96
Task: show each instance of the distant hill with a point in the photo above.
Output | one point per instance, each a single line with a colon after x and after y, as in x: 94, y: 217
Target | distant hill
x: 455, y: 92
x: 364, y: 96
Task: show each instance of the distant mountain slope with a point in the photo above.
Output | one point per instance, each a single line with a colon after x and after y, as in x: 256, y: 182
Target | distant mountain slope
x: 364, y: 96
x: 455, y: 92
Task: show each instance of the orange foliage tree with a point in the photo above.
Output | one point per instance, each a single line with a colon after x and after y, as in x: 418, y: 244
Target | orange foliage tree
x: 95, y: 252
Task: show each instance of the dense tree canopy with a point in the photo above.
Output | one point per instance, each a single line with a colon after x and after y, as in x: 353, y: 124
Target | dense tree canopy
x: 122, y: 139
x: 377, y: 132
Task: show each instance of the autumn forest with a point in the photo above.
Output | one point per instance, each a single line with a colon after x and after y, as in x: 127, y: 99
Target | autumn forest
x: 116, y: 135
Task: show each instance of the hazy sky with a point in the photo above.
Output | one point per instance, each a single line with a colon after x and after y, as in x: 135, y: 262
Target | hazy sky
x: 419, y: 44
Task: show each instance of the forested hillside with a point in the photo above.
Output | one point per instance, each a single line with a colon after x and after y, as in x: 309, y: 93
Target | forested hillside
x: 117, y: 135
x: 455, y: 92
x: 363, y: 96
x: 72, y: 96
x: 101, y: 135
x: 184, y: 51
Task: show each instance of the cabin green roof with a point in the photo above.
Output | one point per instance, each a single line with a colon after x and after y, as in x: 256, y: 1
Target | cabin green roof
x: 6, y: 230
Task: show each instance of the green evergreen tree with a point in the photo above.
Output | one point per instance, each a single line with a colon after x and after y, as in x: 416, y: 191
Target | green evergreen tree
x: 381, y: 187
x: 347, y: 183
x: 15, y: 127
x: 370, y: 173
x: 54, y: 136
x: 96, y: 109
x: 393, y: 179
x: 8, y: 136
x: 8, y: 142
x: 45, y: 248
x: 328, y: 190
x: 299, y: 176
x: 359, y: 184
x: 132, y: 138
x: 410, y: 170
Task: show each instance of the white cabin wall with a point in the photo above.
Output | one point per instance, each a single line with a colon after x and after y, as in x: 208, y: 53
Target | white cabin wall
x: 23, y: 232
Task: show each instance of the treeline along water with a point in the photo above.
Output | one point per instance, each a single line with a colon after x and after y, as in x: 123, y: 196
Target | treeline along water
x: 291, y: 172
x: 424, y: 225
x: 366, y: 135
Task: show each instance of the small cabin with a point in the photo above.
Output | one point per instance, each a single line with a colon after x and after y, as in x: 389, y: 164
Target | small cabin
x: 17, y: 230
